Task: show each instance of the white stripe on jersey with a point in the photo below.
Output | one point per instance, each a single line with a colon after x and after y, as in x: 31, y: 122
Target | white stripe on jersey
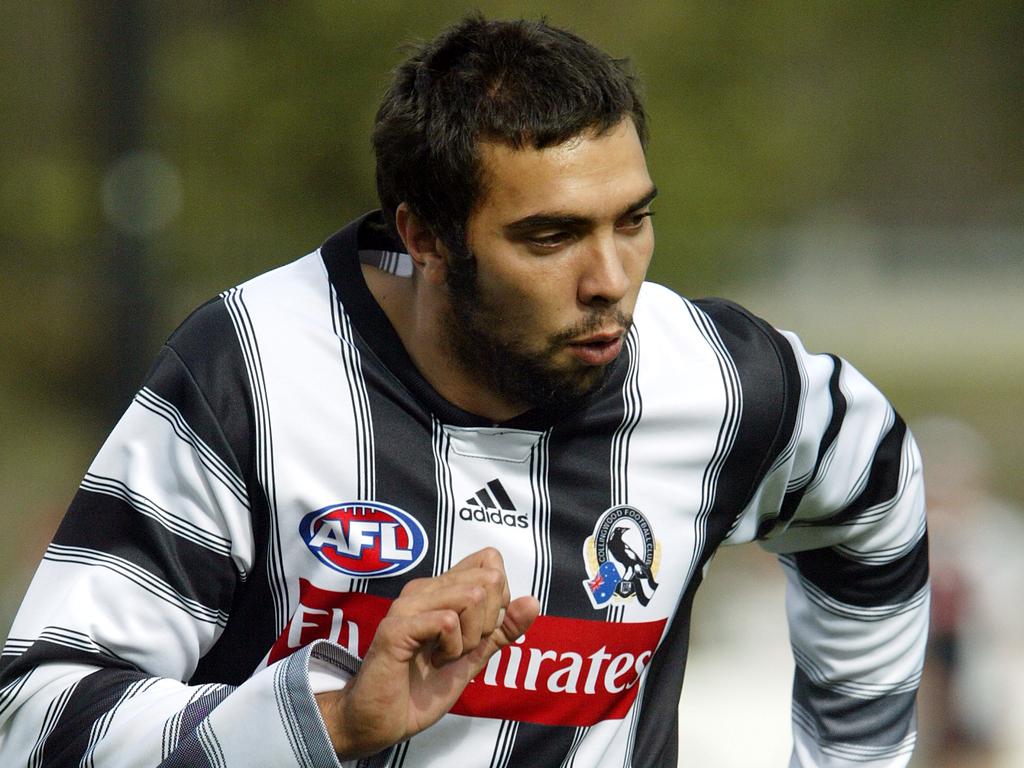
x: 264, y: 446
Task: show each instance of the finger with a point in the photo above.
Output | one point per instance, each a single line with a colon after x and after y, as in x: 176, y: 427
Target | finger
x: 436, y: 631
x: 478, y: 595
x: 518, y: 618
x: 487, y: 577
x: 488, y: 557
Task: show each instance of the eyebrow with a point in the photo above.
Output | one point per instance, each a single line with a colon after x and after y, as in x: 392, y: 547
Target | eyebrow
x: 554, y: 220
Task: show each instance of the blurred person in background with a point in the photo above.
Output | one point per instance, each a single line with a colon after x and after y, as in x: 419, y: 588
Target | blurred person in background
x: 972, y: 695
x: 445, y: 487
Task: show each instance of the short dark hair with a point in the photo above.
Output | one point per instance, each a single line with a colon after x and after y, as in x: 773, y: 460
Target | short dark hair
x: 524, y: 83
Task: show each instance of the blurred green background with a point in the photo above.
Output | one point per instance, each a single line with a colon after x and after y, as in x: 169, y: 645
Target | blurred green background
x: 853, y: 171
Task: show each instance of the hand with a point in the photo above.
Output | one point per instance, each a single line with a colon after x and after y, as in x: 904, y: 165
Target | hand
x: 436, y: 637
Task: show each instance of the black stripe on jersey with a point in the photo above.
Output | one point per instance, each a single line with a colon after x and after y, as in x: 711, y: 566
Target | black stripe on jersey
x: 657, y: 731
x: 770, y: 381
x: 793, y: 498
x: 94, y: 695
x: 580, y: 467
x: 213, y: 395
x: 407, y: 445
x: 868, y: 586
x: 146, y: 507
x: 762, y: 363
x: 102, y: 523
x: 837, y: 718
x: 883, y: 482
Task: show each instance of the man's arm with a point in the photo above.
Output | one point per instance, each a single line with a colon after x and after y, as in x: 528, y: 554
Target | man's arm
x: 136, y: 590
x: 843, y: 506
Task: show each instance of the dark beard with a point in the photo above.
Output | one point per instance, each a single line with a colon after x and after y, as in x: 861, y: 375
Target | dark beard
x: 517, y: 375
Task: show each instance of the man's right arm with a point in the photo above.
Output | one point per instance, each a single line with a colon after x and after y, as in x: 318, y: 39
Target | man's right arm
x: 135, y: 589
x: 138, y: 585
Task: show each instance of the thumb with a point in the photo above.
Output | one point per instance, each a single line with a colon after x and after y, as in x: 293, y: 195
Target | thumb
x: 519, y: 617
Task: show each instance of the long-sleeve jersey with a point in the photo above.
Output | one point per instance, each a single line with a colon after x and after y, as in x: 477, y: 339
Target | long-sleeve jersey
x: 285, y: 470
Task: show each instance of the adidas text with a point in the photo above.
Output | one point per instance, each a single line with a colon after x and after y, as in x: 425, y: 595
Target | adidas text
x: 494, y: 516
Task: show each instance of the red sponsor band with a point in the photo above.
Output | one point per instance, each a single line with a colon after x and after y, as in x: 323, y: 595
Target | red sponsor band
x: 562, y: 672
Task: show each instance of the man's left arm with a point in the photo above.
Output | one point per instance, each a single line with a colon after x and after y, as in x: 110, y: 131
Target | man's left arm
x: 843, y: 506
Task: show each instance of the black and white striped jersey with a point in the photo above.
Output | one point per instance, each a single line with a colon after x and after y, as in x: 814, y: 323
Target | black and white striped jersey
x: 285, y: 470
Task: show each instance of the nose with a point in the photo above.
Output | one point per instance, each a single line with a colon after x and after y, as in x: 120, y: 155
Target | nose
x: 603, y: 278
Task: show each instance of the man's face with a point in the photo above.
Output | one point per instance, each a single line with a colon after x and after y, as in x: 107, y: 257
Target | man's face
x: 559, y: 241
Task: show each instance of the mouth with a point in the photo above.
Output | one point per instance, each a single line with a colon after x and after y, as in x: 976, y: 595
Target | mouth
x: 598, y: 348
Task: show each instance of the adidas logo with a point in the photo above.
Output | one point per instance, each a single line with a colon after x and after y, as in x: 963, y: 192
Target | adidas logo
x: 491, y: 504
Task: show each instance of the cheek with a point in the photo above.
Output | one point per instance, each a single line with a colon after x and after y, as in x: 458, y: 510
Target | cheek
x: 534, y: 299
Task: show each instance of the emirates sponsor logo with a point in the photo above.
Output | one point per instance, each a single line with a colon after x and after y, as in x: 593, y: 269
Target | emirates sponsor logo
x: 562, y: 672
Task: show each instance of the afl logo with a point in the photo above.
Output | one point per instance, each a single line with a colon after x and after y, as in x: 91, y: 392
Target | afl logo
x: 365, y: 538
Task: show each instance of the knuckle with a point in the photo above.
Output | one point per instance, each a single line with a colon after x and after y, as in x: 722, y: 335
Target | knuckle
x: 493, y: 578
x: 492, y: 557
x: 449, y: 621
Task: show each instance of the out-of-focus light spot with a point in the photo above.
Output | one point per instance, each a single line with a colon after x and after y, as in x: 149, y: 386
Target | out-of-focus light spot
x: 142, y: 193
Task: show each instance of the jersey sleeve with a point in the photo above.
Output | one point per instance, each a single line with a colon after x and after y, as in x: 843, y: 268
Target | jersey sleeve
x: 842, y: 504
x: 136, y: 589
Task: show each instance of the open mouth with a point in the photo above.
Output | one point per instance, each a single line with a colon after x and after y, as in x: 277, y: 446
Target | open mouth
x: 600, y: 349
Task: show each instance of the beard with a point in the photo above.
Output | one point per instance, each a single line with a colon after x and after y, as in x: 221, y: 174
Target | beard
x: 477, y: 332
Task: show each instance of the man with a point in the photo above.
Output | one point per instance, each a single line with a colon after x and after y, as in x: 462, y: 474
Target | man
x: 469, y: 397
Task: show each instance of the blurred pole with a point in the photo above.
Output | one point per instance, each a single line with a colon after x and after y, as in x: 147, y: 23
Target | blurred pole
x: 119, y: 37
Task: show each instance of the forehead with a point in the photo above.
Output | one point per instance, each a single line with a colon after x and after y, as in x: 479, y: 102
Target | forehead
x: 591, y: 175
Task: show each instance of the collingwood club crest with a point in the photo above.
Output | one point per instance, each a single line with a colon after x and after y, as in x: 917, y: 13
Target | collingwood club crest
x: 622, y: 558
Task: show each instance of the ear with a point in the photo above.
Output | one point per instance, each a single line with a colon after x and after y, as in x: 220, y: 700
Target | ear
x: 428, y: 253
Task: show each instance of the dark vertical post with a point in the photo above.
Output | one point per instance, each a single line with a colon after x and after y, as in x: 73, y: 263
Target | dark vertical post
x: 120, y: 43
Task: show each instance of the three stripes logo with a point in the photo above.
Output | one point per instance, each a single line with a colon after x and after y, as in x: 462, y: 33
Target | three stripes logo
x: 492, y: 504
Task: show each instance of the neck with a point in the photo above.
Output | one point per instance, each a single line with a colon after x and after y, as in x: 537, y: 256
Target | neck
x: 419, y: 315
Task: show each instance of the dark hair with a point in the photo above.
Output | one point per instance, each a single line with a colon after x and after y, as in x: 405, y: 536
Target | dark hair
x: 525, y: 83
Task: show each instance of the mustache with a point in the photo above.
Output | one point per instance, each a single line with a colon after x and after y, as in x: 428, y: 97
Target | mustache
x: 594, y: 321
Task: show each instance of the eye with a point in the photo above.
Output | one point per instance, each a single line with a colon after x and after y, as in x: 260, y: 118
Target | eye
x: 633, y: 222
x: 549, y: 240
